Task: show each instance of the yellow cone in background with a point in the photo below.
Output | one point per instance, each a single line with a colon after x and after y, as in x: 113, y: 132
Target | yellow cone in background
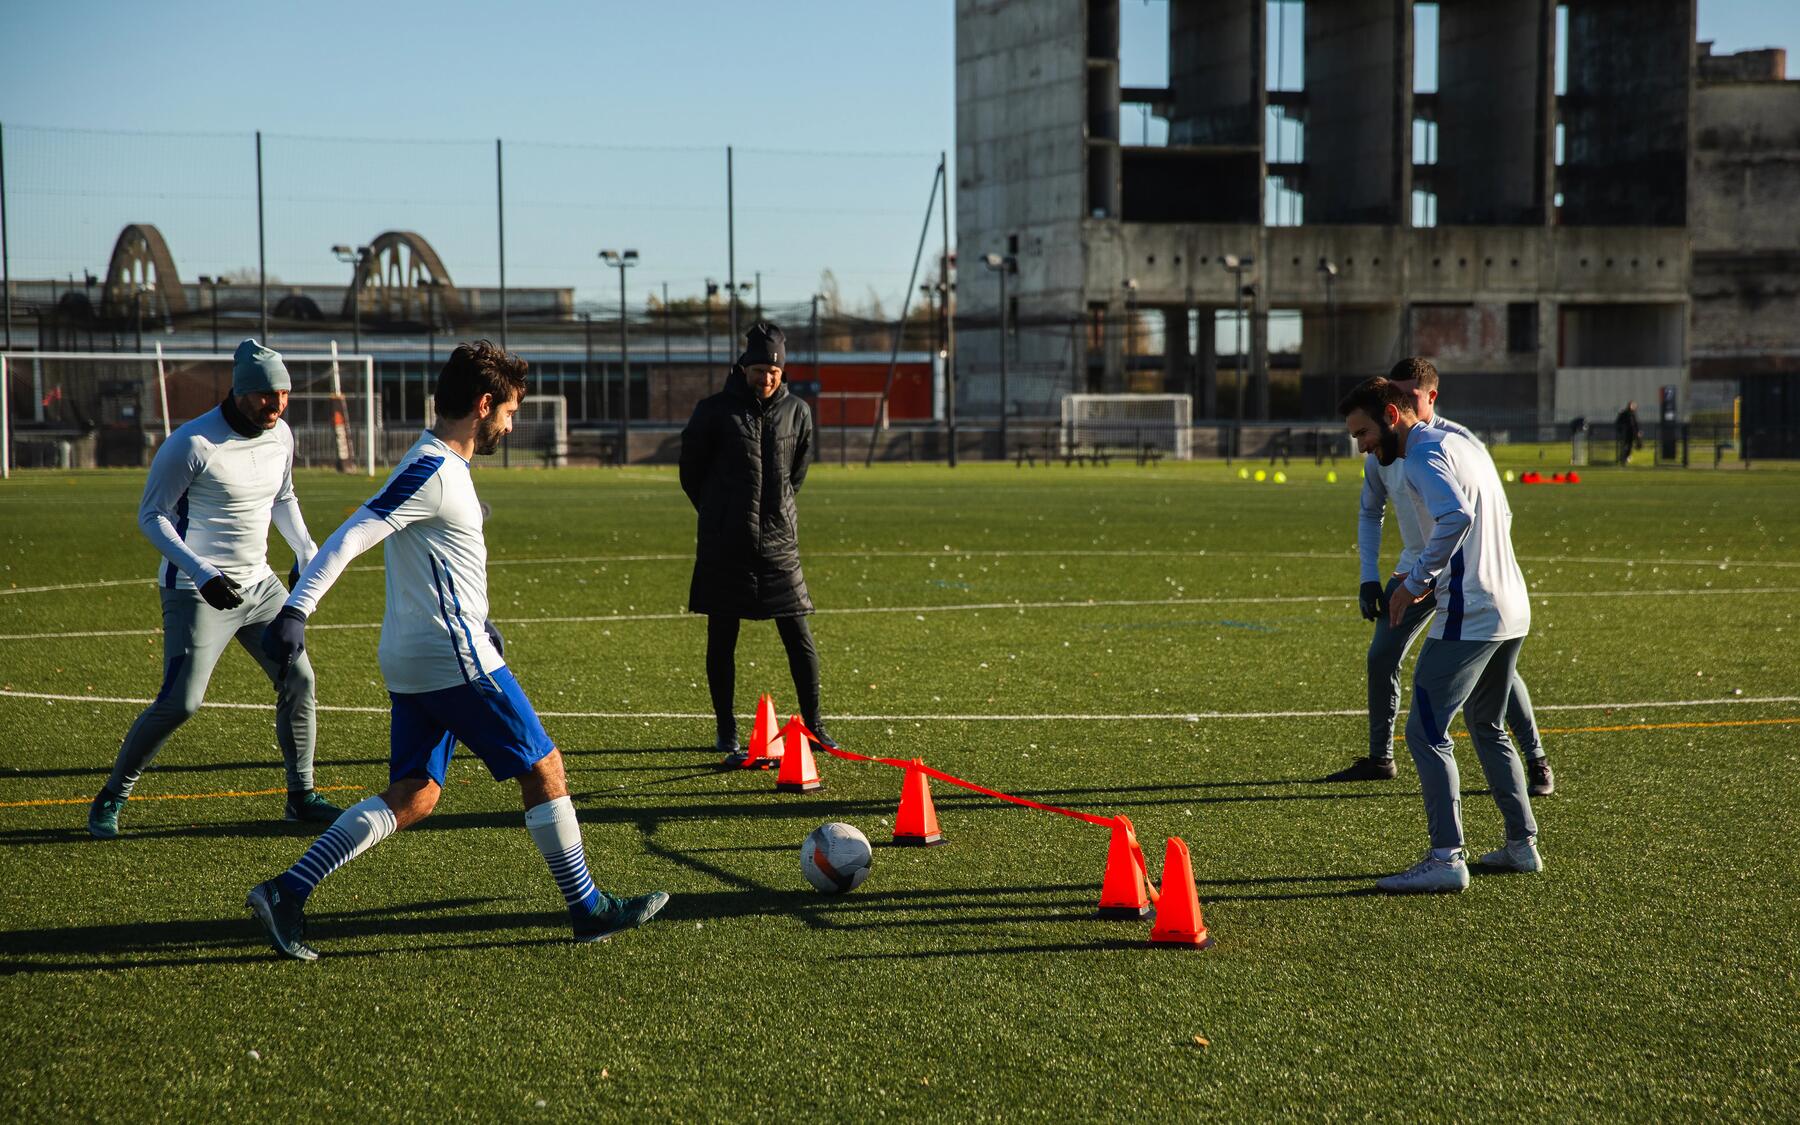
x: 1261, y: 476
x: 1509, y: 476
x: 1243, y: 474
x: 1280, y: 477
x: 1331, y: 476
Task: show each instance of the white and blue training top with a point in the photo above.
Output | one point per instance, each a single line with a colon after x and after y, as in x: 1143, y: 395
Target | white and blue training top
x: 432, y: 635
x: 1379, y: 483
x: 1468, y: 554
x: 210, y: 496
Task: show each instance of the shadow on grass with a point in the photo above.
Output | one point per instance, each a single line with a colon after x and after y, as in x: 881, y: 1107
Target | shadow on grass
x: 211, y: 941
x: 99, y: 770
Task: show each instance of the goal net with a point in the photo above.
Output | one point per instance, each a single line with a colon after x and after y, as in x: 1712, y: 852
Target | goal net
x: 1136, y: 422
x: 540, y: 434
x: 85, y: 410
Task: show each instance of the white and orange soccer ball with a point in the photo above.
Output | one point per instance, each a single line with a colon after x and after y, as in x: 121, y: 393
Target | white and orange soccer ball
x: 836, y: 858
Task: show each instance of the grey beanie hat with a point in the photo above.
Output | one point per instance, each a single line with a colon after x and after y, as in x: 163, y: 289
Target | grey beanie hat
x: 255, y: 368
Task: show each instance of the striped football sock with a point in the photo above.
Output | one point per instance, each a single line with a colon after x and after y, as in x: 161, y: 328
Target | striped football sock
x: 556, y: 833
x: 356, y: 830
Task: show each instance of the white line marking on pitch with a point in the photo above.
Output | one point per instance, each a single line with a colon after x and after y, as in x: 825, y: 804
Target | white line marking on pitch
x: 1185, y: 717
x: 1324, y: 556
x: 973, y: 607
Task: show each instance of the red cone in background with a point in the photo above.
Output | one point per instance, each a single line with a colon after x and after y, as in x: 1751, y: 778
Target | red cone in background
x: 798, y: 773
x: 1178, y: 920
x: 1123, y: 894
x: 916, y: 825
x: 766, y: 745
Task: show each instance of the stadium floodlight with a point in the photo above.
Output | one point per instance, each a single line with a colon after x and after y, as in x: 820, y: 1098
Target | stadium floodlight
x: 211, y: 284
x: 354, y: 257
x: 1236, y: 265
x: 623, y: 261
x: 1329, y: 271
x: 1002, y: 264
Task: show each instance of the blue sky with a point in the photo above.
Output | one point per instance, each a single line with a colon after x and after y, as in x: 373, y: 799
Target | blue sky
x: 615, y: 117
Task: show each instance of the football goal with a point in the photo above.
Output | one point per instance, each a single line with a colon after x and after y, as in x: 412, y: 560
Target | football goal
x: 1135, y: 422
x: 76, y: 410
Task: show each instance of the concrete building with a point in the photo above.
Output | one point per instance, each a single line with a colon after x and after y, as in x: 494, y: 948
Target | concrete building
x: 1744, y: 217
x: 1524, y: 219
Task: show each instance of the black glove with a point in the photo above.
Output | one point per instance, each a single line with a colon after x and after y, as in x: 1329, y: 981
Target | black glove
x: 1373, y: 600
x: 285, y: 639
x: 221, y: 592
x: 494, y: 635
x: 294, y: 575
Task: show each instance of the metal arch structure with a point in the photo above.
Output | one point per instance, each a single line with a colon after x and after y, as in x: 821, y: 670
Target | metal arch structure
x: 394, y: 282
x: 141, y: 260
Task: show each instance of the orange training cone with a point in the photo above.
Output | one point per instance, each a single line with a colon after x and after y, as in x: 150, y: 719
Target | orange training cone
x: 798, y: 774
x: 916, y: 825
x: 766, y: 744
x: 1122, y: 893
x: 1178, y: 920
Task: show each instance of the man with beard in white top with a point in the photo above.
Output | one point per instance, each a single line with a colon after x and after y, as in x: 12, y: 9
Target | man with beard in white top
x: 1418, y: 377
x: 442, y: 662
x: 1472, y: 652
x: 214, y: 487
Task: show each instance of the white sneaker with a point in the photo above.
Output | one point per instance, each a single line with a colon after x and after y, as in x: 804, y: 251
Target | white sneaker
x: 1429, y: 876
x: 1517, y: 855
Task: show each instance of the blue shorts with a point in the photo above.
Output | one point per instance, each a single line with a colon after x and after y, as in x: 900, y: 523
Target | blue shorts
x: 491, y: 716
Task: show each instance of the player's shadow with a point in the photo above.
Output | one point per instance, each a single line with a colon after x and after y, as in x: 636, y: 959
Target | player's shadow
x: 261, y: 828
x: 227, y: 940
x: 99, y: 771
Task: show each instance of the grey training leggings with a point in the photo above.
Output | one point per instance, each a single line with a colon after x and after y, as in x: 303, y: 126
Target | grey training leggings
x: 195, y: 635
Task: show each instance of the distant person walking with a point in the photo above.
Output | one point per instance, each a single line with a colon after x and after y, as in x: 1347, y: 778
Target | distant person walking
x: 1628, y: 431
x: 744, y: 456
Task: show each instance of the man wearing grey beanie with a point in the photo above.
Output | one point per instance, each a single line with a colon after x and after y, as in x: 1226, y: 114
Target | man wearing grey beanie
x: 214, y: 486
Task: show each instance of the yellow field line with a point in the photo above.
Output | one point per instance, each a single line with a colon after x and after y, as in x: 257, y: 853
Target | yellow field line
x: 171, y: 796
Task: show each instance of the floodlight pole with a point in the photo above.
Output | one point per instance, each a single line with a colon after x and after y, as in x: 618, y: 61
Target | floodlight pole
x: 949, y: 315
x: 1002, y: 264
x: 1235, y: 265
x: 1328, y: 269
x: 622, y: 261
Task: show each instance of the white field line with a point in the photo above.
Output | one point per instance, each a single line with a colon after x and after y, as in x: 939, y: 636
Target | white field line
x: 964, y: 607
x: 1154, y: 716
x: 1073, y: 553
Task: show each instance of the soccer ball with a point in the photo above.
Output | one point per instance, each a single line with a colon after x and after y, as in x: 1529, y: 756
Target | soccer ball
x: 835, y: 858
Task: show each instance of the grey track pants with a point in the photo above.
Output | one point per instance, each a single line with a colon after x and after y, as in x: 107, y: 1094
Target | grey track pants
x: 1472, y: 677
x: 194, y: 636
x: 1387, y: 651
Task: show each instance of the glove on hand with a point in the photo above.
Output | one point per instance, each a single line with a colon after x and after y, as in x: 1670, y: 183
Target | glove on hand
x: 1373, y: 600
x: 285, y: 639
x: 221, y: 592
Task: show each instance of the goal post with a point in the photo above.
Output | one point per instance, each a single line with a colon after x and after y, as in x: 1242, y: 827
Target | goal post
x: 112, y: 409
x: 540, y: 433
x: 1162, y: 422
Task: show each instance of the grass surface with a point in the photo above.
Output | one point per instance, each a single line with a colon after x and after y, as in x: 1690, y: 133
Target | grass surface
x: 1649, y: 971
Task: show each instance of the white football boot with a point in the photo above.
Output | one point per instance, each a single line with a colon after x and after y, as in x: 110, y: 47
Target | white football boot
x: 1429, y: 876
x: 1517, y: 855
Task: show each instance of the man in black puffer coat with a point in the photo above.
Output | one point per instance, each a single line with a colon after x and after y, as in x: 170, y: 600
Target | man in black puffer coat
x: 744, y: 456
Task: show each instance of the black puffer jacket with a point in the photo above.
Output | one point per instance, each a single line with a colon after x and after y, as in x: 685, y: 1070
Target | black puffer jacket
x: 742, y: 461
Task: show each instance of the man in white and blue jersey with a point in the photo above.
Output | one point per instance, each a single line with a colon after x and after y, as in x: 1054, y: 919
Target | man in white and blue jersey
x: 442, y: 661
x: 214, y: 487
x: 1418, y: 377
x: 1472, y: 652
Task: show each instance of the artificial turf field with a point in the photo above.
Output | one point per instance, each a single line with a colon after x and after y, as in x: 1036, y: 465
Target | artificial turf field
x: 1170, y: 643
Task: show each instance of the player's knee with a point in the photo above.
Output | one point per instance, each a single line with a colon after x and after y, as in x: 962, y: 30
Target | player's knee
x: 300, y: 681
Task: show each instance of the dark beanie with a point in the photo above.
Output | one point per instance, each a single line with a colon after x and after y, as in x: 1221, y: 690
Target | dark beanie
x: 765, y: 343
